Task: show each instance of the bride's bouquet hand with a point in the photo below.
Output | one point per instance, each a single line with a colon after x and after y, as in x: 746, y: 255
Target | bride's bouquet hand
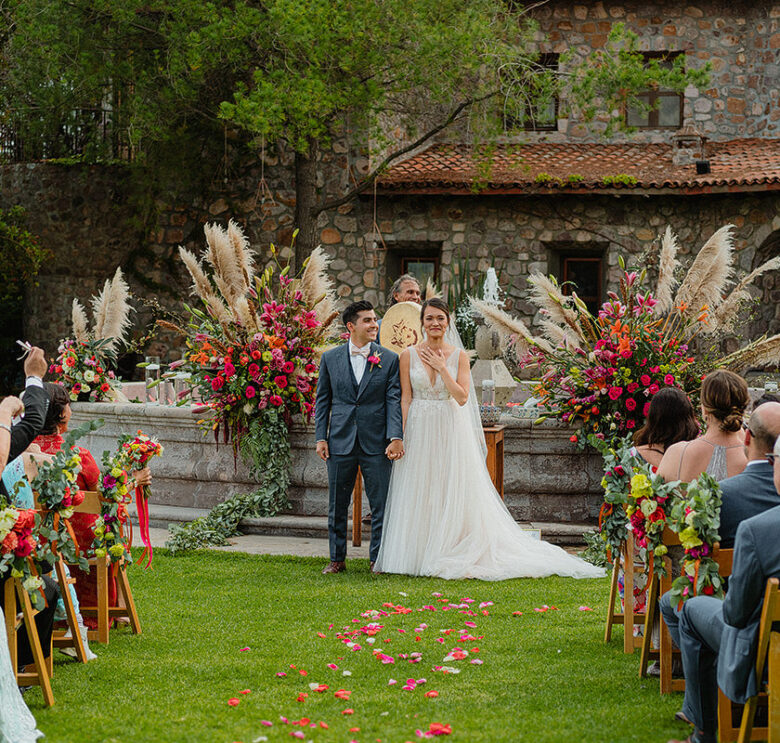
x: 435, y: 359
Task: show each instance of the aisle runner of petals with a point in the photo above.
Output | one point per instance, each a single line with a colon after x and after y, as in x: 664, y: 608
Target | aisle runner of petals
x: 456, y: 647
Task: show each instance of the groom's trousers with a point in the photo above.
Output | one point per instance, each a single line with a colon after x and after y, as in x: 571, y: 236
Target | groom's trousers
x: 342, y: 473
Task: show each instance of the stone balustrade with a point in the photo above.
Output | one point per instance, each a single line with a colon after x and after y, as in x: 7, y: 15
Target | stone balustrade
x: 546, y: 479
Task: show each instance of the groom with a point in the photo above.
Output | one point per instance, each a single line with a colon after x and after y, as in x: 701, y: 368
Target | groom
x: 358, y: 423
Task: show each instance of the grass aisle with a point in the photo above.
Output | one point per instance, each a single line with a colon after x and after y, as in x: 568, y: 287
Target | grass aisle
x: 544, y: 676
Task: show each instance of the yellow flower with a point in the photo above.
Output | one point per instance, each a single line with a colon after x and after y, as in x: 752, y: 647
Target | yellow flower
x: 641, y: 487
x: 648, y: 507
x: 660, y: 550
x: 689, y: 538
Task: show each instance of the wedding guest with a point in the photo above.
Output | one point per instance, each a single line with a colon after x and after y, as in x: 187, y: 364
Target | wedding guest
x: 720, y: 450
x: 718, y: 637
x: 19, y: 435
x: 17, y: 725
x: 405, y: 288
x: 775, y: 459
x: 50, y: 441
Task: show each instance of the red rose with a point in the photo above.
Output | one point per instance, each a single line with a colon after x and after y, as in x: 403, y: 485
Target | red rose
x: 25, y: 520
x: 669, y: 379
x: 631, y: 403
x: 70, y: 361
x: 630, y: 423
x: 594, y: 410
x: 10, y: 542
x: 645, y: 379
x: 217, y: 383
x: 105, y: 387
x: 253, y: 370
x: 708, y: 590
x: 646, y: 409
x: 280, y: 381
x: 256, y: 355
x: 573, y: 438
x: 276, y: 401
x: 24, y: 548
x: 310, y: 368
x: 653, y: 388
x: 288, y: 367
x: 250, y: 392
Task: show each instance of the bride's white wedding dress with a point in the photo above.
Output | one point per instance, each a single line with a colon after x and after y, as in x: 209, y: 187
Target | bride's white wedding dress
x: 17, y: 725
x: 443, y: 516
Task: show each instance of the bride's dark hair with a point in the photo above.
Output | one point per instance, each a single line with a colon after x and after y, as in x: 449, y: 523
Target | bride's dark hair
x: 439, y: 304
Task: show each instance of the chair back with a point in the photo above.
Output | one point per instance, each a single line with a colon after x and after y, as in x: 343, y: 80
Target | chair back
x: 91, y: 503
x: 670, y: 538
x: 770, y: 613
x: 724, y: 558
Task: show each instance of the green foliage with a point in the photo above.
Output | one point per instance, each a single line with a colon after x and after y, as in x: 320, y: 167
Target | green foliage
x: 21, y: 255
x: 621, y: 179
x: 596, y: 551
x: 266, y: 450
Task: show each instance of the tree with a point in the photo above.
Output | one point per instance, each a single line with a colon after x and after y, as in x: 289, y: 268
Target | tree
x: 306, y: 73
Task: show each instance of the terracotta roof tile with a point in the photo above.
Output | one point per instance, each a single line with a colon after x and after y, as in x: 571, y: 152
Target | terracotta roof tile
x: 740, y: 164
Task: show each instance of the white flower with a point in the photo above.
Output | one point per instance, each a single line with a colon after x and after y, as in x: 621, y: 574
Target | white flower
x: 89, y: 375
x: 33, y: 583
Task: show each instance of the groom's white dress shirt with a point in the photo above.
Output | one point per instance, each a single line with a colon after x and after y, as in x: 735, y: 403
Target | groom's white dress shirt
x: 358, y: 357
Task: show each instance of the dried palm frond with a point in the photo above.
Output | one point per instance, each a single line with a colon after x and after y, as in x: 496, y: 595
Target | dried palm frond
x: 117, y: 315
x: 725, y: 315
x: 241, y: 251
x: 559, y: 336
x: 548, y: 297
x: 245, y: 315
x: 431, y: 290
x: 708, y: 275
x: 201, y: 284
x: 99, y: 310
x: 511, y: 329
x: 667, y: 263
x: 316, y: 283
x: 80, y: 323
x: 762, y: 352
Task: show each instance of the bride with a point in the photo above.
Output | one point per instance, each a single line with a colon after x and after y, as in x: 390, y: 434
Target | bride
x: 443, y: 516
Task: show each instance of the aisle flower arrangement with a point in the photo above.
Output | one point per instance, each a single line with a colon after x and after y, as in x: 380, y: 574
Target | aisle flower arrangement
x: 696, y: 518
x: 18, y: 546
x: 110, y: 538
x: 83, y: 361
x: 618, y: 469
x: 254, y: 346
x: 601, y: 371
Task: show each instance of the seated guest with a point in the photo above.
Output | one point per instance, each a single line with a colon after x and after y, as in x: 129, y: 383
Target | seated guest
x: 752, y: 491
x: 720, y: 450
x: 19, y: 436
x: 50, y: 441
x: 718, y: 637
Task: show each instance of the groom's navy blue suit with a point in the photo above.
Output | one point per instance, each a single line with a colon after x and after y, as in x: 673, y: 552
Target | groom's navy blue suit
x: 358, y: 421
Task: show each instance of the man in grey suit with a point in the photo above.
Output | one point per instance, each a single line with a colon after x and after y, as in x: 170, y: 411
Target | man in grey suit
x: 718, y: 638
x: 752, y: 491
x: 358, y: 423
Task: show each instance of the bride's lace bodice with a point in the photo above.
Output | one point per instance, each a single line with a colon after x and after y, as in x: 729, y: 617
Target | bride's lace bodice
x: 421, y: 381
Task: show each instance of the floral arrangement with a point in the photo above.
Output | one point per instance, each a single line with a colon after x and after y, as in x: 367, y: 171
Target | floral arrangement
x: 696, y: 518
x: 110, y: 539
x: 253, y: 354
x: 136, y: 452
x: 601, y: 371
x: 18, y: 550
x: 648, y: 508
x: 83, y: 361
x: 618, y: 469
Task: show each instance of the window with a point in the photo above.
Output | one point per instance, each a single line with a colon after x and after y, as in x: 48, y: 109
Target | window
x: 583, y: 275
x: 666, y: 106
x: 539, y: 112
x: 421, y: 267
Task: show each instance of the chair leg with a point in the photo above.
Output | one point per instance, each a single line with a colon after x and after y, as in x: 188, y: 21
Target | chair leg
x: 665, y: 656
x: 651, y: 611
x: 10, y: 620
x: 774, y: 688
x: 123, y: 586
x: 102, y: 601
x: 41, y: 665
x: 70, y: 612
x: 613, y: 590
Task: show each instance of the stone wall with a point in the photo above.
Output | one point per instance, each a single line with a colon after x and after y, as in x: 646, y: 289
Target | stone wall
x: 545, y: 478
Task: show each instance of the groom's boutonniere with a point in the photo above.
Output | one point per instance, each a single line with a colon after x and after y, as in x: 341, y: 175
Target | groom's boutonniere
x: 374, y: 360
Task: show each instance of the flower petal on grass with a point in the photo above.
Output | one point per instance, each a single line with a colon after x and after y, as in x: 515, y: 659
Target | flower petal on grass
x: 234, y: 702
x: 432, y: 694
x: 585, y: 608
x: 348, y: 711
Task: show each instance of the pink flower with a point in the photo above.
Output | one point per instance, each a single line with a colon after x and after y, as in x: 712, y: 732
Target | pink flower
x: 250, y: 391
x: 631, y: 404
x: 645, y: 379
x: 669, y: 379
x: 230, y: 370
x: 276, y: 401
x: 653, y: 388
x: 615, y: 392
x: 217, y: 383
x: 373, y: 360
x: 254, y: 370
x: 630, y: 423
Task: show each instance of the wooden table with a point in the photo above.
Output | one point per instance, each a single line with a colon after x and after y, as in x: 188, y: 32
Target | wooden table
x: 494, y: 438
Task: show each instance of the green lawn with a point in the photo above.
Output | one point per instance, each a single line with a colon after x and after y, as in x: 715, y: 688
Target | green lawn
x: 545, y: 676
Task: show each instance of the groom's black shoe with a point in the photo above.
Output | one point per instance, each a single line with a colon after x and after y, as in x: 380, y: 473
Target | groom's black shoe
x: 334, y: 567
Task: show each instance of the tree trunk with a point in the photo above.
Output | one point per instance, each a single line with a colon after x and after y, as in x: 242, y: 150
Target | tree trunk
x: 306, y: 202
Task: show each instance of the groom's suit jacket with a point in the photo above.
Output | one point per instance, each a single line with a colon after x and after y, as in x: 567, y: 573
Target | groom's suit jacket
x: 369, y: 412
x: 756, y: 558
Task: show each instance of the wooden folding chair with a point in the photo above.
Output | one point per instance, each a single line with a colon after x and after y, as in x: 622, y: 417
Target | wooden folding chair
x: 735, y: 727
x: 19, y: 612
x: 628, y: 617
x: 104, y: 611
x: 60, y: 638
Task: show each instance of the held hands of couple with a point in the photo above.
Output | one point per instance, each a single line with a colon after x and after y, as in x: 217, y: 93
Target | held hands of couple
x: 395, y: 450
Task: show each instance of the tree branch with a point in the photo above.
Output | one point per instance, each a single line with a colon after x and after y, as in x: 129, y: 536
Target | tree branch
x: 372, y: 176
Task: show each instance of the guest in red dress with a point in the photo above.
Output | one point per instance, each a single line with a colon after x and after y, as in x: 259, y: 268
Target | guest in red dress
x: 50, y: 440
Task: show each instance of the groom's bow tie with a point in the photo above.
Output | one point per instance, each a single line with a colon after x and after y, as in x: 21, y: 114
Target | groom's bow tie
x: 360, y: 352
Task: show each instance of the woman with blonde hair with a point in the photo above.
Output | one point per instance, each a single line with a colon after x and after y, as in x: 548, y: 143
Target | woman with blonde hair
x: 720, y: 450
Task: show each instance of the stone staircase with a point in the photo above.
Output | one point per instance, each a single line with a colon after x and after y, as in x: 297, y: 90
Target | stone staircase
x: 316, y: 527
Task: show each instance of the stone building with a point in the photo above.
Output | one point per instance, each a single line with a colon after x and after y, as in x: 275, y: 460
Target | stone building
x: 560, y: 199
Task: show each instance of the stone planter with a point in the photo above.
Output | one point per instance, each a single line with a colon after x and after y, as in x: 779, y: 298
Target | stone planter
x: 546, y: 478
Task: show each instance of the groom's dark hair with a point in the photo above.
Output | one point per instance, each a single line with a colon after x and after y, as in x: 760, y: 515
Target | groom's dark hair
x: 351, y: 313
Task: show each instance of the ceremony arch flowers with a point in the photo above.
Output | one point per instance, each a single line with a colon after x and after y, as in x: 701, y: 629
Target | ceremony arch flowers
x: 253, y: 352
